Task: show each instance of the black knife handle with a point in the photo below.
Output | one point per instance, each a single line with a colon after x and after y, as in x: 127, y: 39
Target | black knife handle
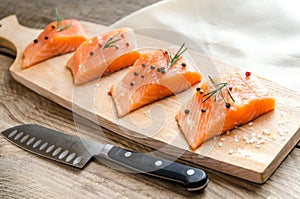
x: 193, y: 178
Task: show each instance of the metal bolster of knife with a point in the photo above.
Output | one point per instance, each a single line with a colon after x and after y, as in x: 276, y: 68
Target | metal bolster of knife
x: 104, y: 151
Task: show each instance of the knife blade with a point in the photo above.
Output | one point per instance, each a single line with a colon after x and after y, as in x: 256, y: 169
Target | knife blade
x: 70, y: 150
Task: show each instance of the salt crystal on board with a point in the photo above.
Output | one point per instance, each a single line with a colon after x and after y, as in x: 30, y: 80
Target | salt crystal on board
x: 239, y: 150
x: 261, y: 141
x: 266, y: 131
x: 283, y: 138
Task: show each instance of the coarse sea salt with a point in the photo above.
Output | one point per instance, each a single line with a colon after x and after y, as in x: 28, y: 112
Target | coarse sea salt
x: 239, y: 150
x: 147, y: 112
x: 266, y: 131
x: 281, y: 132
x: 261, y: 141
x: 251, y: 140
x: 250, y: 124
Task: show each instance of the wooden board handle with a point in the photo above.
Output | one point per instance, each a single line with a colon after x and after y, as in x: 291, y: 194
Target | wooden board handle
x: 6, y: 47
x: 6, y: 38
x: 13, y: 34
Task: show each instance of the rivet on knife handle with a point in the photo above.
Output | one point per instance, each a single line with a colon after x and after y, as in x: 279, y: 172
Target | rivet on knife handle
x: 193, y: 178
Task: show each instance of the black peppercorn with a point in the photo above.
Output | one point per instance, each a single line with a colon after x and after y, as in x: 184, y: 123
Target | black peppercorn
x: 186, y: 111
x: 227, y: 105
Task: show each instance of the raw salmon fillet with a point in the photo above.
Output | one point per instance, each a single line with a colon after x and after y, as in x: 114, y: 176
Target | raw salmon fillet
x: 150, y: 80
x: 103, y: 54
x: 51, y: 42
x: 199, y: 120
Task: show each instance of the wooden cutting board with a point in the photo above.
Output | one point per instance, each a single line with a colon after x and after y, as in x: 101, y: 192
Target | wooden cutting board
x: 236, y: 153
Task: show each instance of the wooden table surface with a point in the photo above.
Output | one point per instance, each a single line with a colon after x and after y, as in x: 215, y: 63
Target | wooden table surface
x: 24, y: 175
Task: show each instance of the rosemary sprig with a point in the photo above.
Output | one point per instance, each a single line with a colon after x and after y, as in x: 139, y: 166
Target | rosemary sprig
x: 111, y: 42
x: 230, y: 95
x: 218, y: 89
x: 172, y: 60
x: 58, y: 20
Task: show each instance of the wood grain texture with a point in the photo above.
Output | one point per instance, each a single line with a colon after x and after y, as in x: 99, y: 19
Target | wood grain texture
x: 38, y: 13
x: 23, y: 175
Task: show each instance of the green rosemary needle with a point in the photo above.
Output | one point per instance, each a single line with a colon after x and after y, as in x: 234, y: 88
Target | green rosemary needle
x: 218, y: 89
x: 58, y: 20
x: 172, y: 60
x: 111, y: 42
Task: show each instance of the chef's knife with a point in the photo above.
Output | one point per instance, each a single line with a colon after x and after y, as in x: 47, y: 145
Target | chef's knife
x: 71, y: 150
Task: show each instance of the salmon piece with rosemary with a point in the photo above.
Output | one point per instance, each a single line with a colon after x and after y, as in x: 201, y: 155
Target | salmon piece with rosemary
x: 59, y: 37
x: 155, y: 75
x: 103, y: 55
x: 216, y: 107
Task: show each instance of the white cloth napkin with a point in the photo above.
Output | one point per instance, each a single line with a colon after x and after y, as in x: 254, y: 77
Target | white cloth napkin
x: 260, y: 36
